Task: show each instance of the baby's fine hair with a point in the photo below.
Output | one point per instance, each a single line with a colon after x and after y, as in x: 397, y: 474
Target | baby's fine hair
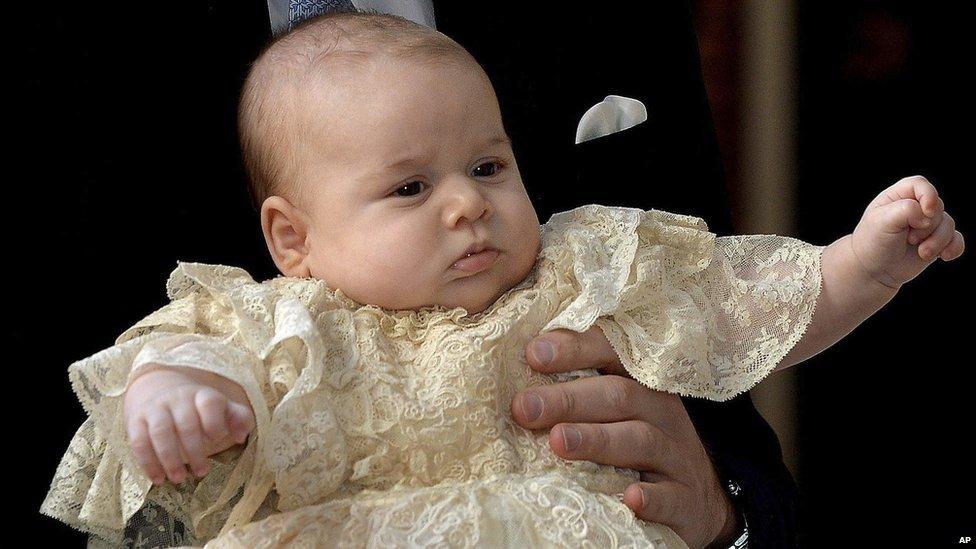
x: 270, y: 127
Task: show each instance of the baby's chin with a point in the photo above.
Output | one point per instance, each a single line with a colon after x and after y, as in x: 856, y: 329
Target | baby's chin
x: 472, y: 296
x: 476, y: 294
x: 476, y: 308
x: 475, y: 302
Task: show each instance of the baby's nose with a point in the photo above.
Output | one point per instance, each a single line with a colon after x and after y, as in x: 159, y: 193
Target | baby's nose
x: 465, y: 200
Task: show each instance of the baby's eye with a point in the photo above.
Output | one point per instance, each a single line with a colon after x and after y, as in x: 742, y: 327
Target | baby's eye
x: 498, y: 166
x: 410, y: 189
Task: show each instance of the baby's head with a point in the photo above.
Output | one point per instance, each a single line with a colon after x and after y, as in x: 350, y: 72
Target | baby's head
x: 378, y: 159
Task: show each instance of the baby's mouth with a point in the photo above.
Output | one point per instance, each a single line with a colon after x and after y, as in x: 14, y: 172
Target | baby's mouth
x: 476, y: 261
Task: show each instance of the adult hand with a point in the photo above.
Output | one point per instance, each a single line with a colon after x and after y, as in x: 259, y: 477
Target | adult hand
x: 614, y: 420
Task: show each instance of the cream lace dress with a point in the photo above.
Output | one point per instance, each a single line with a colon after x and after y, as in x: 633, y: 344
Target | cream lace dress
x: 393, y: 428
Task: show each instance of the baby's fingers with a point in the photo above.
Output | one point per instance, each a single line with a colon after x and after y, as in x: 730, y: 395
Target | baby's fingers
x: 213, y: 408
x: 191, y: 438
x: 138, y: 433
x: 917, y: 235
x: 162, y: 433
x: 931, y: 247
x: 916, y: 188
x: 241, y: 420
x: 955, y: 248
x: 901, y: 215
x: 928, y: 197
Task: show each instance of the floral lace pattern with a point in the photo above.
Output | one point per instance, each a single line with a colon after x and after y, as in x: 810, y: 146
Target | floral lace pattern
x: 393, y: 427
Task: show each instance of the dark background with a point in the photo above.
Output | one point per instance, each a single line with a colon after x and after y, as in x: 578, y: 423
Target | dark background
x: 887, y: 415
x: 128, y: 139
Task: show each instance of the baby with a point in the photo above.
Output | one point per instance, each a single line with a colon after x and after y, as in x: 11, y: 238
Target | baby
x: 372, y: 377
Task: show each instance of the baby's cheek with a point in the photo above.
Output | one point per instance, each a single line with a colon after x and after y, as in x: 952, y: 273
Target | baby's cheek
x: 398, y: 277
x: 528, y: 252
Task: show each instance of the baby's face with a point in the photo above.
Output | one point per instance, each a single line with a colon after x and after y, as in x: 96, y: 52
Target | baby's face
x: 408, y: 168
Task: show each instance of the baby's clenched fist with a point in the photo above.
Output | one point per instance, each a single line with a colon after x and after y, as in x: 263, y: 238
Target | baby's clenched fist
x: 176, y: 416
x: 903, y: 230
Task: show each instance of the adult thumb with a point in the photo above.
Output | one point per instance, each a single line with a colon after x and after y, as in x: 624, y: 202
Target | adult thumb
x: 566, y: 350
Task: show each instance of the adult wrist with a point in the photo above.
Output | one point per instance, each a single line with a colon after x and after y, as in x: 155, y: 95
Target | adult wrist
x: 751, y: 455
x: 735, y: 532
x: 728, y: 533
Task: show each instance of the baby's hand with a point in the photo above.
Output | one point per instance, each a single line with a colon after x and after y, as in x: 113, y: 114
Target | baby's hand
x: 904, y: 230
x: 183, y: 415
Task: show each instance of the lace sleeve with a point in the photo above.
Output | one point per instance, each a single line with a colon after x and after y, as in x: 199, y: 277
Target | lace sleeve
x: 687, y: 312
x: 222, y: 321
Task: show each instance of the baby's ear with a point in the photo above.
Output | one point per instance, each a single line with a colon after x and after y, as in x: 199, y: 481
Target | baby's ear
x: 285, y: 229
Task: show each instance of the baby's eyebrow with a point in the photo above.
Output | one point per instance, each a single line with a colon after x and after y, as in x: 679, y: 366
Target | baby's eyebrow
x: 414, y: 160
x: 496, y: 140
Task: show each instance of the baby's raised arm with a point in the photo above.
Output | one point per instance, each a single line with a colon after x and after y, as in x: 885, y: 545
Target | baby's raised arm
x: 902, y: 231
x: 177, y: 415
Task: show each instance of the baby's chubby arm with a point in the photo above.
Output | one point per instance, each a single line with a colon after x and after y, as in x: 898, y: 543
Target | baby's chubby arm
x: 177, y: 415
x: 902, y: 231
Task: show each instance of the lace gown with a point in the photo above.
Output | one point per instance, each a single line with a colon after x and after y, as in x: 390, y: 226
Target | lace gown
x: 392, y: 428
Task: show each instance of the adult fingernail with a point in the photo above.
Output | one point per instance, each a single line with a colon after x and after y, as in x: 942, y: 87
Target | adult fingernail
x: 543, y: 351
x: 532, y: 406
x: 571, y: 438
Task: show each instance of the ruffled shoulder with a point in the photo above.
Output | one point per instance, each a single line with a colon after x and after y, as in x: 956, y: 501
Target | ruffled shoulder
x: 687, y: 312
x: 188, y: 278
x: 609, y: 253
x: 231, y: 293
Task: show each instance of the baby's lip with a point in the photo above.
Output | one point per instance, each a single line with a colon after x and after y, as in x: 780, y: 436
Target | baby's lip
x: 479, y: 260
x: 475, y: 248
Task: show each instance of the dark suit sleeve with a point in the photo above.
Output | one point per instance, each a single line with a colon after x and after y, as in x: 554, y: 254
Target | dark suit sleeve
x: 548, y: 67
